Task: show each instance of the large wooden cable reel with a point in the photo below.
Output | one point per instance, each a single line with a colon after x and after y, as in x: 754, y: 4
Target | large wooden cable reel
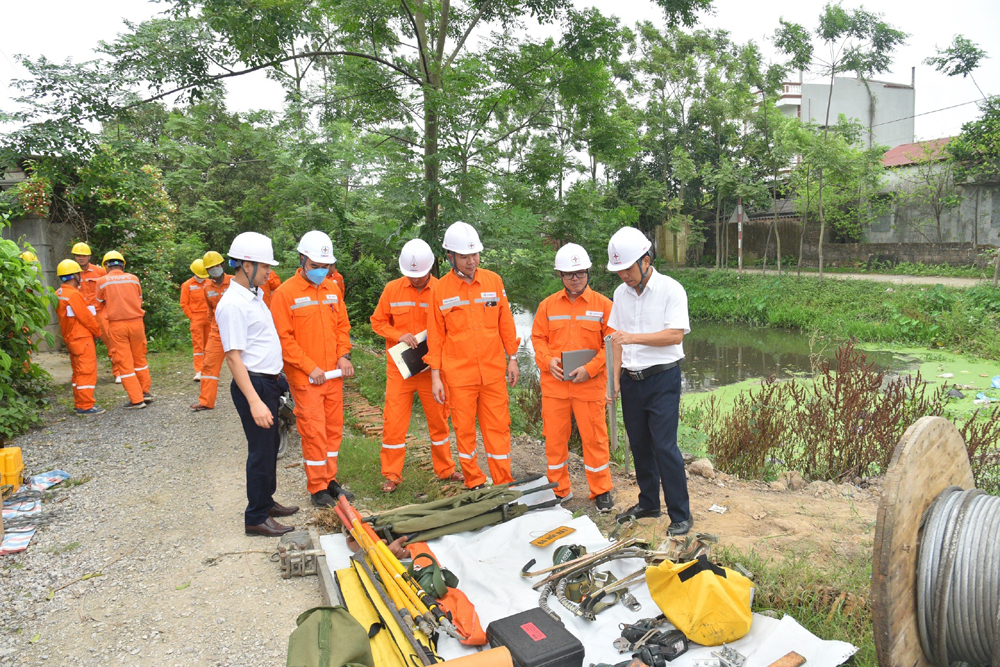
x: 930, y: 457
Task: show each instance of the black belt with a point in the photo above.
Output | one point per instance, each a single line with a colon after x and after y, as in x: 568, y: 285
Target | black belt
x: 269, y: 376
x: 651, y: 371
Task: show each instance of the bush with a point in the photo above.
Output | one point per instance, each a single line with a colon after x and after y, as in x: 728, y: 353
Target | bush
x: 365, y: 281
x: 23, y: 316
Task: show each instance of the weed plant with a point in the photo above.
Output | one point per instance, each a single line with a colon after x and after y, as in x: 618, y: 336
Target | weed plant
x: 844, y: 422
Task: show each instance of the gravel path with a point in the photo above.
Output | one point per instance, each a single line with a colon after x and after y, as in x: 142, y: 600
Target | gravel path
x: 162, y: 493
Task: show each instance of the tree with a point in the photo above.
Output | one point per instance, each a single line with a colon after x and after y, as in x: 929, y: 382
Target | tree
x: 928, y: 187
x: 855, y: 41
x: 962, y: 57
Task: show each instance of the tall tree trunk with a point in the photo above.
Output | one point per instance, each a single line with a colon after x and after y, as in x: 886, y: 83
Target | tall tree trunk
x: 777, y: 233
x: 431, y: 166
x: 803, y: 220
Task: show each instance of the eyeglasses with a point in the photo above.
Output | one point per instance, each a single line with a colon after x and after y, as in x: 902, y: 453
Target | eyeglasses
x: 574, y: 276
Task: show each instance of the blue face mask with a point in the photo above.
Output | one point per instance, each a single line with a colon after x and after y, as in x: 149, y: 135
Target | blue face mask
x: 316, y: 276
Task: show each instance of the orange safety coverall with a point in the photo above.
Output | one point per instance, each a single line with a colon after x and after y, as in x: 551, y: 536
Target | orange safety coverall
x: 196, y: 309
x: 88, y: 287
x: 339, y: 279
x: 214, y: 354
x: 79, y: 328
x: 455, y: 603
x: 563, y: 326
x: 470, y: 329
x: 314, y: 329
x: 403, y: 309
x: 121, y: 295
x: 267, y: 289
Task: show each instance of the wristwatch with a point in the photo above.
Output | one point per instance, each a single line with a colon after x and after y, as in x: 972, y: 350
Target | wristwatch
x: 346, y: 356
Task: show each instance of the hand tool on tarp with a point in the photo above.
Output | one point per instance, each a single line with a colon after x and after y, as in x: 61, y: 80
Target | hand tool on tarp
x: 609, y: 365
x: 425, y: 605
x: 425, y: 655
x: 467, y: 511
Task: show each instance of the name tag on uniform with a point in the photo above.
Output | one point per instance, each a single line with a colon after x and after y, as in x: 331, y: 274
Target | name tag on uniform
x: 452, y: 301
x: 331, y: 297
x: 504, y: 292
x: 302, y: 299
x: 595, y: 313
x: 488, y: 295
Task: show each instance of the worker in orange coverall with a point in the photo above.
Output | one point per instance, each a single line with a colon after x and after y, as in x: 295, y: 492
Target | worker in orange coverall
x: 196, y: 310
x: 267, y: 289
x: 314, y: 329
x: 470, y: 331
x: 119, y: 296
x: 215, y: 287
x: 574, y: 319
x: 89, y: 274
x: 401, y: 314
x: 78, y: 322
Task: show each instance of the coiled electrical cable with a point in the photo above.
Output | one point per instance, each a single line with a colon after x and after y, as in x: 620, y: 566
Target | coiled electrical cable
x: 958, y: 578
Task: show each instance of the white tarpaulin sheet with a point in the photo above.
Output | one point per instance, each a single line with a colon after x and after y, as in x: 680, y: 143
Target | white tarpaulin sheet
x: 488, y: 563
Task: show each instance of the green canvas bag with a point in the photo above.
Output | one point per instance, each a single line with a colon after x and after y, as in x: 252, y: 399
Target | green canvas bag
x: 328, y: 637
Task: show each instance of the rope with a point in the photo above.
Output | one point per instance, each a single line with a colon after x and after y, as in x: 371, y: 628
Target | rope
x: 958, y: 578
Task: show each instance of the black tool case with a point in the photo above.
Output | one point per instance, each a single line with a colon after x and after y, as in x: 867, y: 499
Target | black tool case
x: 534, y: 639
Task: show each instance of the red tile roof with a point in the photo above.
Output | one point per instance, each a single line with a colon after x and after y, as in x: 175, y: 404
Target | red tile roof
x: 901, y: 156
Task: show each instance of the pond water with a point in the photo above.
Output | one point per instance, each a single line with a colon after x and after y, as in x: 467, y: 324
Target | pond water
x: 719, y: 354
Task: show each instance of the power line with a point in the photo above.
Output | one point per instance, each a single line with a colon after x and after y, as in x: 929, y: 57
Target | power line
x: 927, y: 112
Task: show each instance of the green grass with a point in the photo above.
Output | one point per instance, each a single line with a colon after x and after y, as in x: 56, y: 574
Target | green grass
x: 963, y: 320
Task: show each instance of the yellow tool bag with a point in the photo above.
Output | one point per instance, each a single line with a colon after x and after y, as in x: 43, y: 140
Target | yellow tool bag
x: 708, y: 603
x: 389, y: 645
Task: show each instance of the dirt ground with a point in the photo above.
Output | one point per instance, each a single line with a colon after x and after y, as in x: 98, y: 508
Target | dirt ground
x: 157, y: 512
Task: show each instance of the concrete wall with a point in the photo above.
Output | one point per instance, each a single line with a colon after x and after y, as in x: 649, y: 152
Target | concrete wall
x: 663, y: 244
x: 975, y: 220
x: 893, y: 102
x: 850, y: 254
x: 52, y: 242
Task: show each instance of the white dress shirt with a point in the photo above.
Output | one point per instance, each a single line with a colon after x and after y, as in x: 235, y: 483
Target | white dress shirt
x: 662, y: 305
x: 245, y: 324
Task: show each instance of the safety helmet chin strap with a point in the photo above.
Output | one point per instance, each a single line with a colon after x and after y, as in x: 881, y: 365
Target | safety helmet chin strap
x: 643, y: 273
x: 451, y: 260
x: 251, y: 277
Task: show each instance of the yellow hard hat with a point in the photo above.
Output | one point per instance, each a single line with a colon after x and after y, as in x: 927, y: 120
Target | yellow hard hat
x: 80, y: 249
x: 29, y: 256
x: 110, y: 255
x: 198, y: 268
x: 68, y: 267
x: 211, y: 259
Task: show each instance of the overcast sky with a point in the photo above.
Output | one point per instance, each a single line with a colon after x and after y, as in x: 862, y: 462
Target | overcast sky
x: 60, y: 29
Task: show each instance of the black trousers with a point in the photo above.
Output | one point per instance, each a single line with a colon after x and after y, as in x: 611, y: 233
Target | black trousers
x: 262, y: 448
x: 650, y: 408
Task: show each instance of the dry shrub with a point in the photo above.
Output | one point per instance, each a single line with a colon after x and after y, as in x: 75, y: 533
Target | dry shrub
x: 982, y: 440
x: 842, y: 422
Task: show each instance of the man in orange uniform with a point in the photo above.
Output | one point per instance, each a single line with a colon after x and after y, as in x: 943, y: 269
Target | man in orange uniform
x: 312, y: 324
x: 470, y: 330
x: 574, y: 319
x: 195, y: 307
x: 401, y: 314
x: 267, y: 289
x: 78, y: 323
x: 215, y: 287
x: 121, y: 297
x: 89, y: 273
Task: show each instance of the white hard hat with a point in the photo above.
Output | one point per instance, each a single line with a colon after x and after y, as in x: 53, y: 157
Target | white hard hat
x: 416, y: 259
x: 626, y: 247
x: 572, y: 257
x: 462, y: 238
x: 252, y: 247
x: 318, y: 247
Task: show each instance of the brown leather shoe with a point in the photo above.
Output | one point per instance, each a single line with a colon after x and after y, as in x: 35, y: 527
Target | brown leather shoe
x: 281, y: 510
x: 269, y: 528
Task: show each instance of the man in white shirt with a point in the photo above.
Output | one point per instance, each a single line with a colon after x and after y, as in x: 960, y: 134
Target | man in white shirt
x: 650, y: 317
x: 253, y: 353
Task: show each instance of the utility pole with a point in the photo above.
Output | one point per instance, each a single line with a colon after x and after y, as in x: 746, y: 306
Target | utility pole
x: 739, y: 234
